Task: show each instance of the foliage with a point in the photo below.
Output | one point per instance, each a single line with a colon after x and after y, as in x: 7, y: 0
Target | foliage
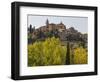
x: 48, y: 52
x: 51, y: 52
x: 80, y: 56
x: 29, y: 36
x: 48, y: 34
x: 68, y: 54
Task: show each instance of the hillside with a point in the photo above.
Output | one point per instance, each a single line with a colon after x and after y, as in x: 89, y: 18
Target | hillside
x: 58, y: 31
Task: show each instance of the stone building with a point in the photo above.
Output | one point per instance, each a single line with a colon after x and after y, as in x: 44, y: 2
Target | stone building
x: 59, y: 30
x: 52, y: 27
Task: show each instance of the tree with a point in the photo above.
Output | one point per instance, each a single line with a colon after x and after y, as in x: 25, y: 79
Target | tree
x: 80, y: 56
x: 48, y: 52
x: 68, y: 54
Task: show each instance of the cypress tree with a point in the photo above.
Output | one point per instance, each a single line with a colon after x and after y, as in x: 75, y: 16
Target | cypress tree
x: 68, y: 54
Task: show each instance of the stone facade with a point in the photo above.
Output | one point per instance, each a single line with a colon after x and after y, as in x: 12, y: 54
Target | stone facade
x: 52, y: 27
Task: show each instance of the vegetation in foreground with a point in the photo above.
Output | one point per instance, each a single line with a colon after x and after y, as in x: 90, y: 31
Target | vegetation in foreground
x: 51, y: 52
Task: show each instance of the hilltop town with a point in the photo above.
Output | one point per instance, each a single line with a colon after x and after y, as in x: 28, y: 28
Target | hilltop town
x: 57, y: 30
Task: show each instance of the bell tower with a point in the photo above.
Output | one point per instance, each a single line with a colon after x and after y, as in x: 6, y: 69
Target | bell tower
x: 47, y: 23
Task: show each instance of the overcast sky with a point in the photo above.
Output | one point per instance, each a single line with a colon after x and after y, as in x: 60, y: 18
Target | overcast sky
x: 79, y: 23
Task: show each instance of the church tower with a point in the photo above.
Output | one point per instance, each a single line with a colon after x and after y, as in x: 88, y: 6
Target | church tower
x: 47, y: 23
x: 61, y: 23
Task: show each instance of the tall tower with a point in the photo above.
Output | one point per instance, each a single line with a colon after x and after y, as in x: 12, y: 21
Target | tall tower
x: 47, y: 23
x: 61, y: 23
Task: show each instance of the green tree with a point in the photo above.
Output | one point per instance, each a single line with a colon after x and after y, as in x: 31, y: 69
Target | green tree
x: 80, y: 56
x: 68, y: 54
x: 48, y: 52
